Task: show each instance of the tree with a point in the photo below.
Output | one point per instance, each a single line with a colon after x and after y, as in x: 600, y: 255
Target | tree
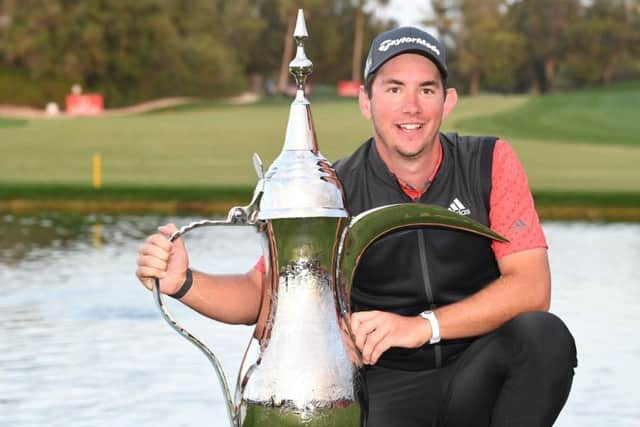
x: 488, y: 51
x: 31, y: 40
x: 544, y: 25
x: 131, y: 51
x: 359, y: 23
x: 288, y: 13
x: 600, y: 40
x: 331, y: 29
x: 445, y: 16
x: 483, y: 50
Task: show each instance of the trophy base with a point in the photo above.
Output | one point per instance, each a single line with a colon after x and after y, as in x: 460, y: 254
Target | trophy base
x: 258, y: 415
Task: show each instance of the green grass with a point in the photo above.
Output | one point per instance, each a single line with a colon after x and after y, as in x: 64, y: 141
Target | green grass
x: 587, y: 198
x: 196, y: 152
x: 11, y: 122
x: 603, y: 115
x: 585, y: 141
x: 210, y: 146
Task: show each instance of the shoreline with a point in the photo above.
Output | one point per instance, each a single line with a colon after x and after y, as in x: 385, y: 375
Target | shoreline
x: 200, y: 200
x: 562, y: 212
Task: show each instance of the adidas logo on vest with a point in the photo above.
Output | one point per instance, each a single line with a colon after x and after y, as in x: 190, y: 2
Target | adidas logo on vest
x: 457, y: 207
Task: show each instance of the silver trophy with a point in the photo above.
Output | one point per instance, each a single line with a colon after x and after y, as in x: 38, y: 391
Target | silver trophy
x: 307, y: 371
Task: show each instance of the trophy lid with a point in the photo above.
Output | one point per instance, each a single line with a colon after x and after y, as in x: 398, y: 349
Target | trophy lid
x: 301, y: 182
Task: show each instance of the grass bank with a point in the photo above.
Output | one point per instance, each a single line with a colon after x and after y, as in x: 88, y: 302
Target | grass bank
x: 4, y: 122
x: 28, y: 198
x: 216, y: 201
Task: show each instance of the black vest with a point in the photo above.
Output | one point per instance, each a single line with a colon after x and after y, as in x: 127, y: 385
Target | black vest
x: 409, y: 271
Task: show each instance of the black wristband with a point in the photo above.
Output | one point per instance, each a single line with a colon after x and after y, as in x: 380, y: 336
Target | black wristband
x: 185, y: 286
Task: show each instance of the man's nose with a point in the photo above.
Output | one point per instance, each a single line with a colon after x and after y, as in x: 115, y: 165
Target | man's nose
x: 411, y: 103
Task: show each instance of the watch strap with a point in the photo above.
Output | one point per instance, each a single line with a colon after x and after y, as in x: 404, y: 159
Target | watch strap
x: 185, y: 286
x: 430, y: 316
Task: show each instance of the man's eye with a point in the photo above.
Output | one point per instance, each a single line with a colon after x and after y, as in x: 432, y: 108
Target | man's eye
x: 393, y: 89
x: 428, y: 91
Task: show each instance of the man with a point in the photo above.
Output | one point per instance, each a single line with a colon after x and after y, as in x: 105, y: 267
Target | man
x: 453, y: 328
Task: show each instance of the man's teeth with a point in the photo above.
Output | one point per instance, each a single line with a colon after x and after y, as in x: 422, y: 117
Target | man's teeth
x: 410, y: 126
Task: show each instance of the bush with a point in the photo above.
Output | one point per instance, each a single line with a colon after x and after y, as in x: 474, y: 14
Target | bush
x: 17, y: 88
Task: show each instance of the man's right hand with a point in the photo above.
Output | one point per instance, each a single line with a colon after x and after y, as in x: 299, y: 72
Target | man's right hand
x: 162, y: 259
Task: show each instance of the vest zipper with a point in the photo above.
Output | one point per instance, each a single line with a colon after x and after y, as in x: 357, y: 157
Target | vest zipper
x: 426, y: 280
x: 422, y: 252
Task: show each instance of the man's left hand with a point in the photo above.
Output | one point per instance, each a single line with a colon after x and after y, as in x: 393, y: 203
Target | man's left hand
x: 376, y: 331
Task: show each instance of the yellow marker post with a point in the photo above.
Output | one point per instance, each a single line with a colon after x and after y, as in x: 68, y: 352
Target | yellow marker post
x: 97, y: 235
x: 97, y: 171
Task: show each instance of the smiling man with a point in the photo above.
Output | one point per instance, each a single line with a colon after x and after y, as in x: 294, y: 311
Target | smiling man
x: 453, y: 328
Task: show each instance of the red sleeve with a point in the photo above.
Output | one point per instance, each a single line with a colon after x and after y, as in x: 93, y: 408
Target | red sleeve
x: 260, y: 265
x: 512, y: 212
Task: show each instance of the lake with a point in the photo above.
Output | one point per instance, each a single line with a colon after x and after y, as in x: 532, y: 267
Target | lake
x: 83, y: 344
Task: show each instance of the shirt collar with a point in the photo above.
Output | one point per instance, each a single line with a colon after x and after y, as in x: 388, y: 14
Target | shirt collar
x: 411, y: 192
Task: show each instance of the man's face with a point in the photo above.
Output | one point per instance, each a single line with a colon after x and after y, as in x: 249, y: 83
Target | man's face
x: 407, y: 106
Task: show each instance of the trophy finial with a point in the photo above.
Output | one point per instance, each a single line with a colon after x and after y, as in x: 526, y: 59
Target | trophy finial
x: 301, y: 66
x: 300, y: 182
x: 301, y: 26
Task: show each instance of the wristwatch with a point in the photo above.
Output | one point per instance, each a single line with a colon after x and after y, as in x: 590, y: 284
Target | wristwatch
x: 430, y: 316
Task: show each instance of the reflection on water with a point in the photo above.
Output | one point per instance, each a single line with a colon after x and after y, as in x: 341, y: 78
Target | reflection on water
x: 82, y: 344
x: 596, y: 289
x: 30, y: 237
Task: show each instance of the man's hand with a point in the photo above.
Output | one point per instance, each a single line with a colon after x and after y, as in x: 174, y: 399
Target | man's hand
x: 162, y: 259
x: 376, y: 331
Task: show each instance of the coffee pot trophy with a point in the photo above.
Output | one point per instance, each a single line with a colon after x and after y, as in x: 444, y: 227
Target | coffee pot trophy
x: 307, y: 371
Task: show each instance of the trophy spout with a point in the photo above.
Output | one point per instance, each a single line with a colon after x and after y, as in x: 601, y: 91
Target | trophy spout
x: 368, y: 226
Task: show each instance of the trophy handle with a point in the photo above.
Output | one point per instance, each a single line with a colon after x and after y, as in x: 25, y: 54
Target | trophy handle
x: 237, y: 216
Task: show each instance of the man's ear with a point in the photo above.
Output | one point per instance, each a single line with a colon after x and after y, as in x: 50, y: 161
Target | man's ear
x: 449, y: 102
x: 364, y: 102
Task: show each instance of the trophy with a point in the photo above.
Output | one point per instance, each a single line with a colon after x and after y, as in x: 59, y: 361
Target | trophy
x: 307, y: 372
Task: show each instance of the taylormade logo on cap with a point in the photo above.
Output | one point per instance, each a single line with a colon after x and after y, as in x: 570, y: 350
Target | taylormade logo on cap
x: 400, y: 40
x: 386, y: 44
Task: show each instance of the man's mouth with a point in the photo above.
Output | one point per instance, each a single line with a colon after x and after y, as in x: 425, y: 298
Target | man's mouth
x: 409, y: 127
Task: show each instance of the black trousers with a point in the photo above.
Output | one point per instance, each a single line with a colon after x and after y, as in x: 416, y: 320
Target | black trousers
x: 518, y: 375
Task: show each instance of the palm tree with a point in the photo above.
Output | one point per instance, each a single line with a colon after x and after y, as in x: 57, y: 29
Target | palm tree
x: 356, y: 63
x: 288, y: 13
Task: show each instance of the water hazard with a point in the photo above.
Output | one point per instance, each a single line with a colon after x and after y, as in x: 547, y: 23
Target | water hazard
x: 82, y: 344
